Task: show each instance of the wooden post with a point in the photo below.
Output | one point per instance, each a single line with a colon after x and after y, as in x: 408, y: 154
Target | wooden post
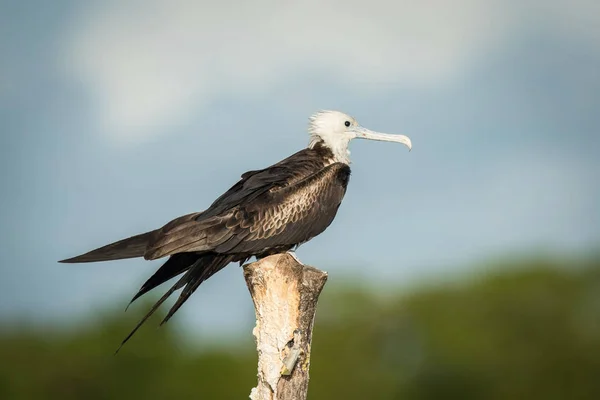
x: 285, y: 295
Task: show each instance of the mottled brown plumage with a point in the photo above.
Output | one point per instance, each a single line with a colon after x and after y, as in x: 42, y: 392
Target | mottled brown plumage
x: 267, y: 211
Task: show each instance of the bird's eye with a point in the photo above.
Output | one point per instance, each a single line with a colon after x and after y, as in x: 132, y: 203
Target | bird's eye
x: 347, y: 123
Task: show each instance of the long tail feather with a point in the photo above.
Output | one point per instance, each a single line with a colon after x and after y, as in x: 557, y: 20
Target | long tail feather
x: 203, y: 268
x: 131, y: 247
x: 198, y: 274
x: 175, y: 265
x: 148, y: 314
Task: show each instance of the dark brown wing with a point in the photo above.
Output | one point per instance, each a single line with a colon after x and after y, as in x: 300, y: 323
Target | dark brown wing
x: 288, y: 171
x: 288, y: 216
x: 131, y: 247
x: 286, y: 209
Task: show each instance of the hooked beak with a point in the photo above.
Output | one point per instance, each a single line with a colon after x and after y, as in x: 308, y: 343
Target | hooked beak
x: 364, y: 133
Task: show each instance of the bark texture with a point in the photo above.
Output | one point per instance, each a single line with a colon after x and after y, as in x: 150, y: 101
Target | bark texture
x: 285, y: 295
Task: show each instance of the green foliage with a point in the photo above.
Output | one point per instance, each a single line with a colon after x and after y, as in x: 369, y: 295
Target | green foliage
x: 523, y: 332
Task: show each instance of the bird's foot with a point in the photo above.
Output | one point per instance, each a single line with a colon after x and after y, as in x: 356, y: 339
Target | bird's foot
x: 293, y: 254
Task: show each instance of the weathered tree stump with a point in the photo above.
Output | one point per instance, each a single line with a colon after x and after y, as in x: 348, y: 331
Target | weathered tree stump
x: 285, y: 295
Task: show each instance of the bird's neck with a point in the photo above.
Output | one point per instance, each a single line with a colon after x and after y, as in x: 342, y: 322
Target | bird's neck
x: 337, y: 153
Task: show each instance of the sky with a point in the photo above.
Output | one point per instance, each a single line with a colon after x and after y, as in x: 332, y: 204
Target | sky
x: 117, y: 116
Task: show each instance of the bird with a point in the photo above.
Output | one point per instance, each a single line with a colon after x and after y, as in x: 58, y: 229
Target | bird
x: 268, y: 211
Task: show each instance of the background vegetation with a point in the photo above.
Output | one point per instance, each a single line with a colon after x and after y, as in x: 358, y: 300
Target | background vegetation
x: 522, y: 330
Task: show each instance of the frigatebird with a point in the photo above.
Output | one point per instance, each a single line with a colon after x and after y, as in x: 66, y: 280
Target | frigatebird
x: 268, y: 211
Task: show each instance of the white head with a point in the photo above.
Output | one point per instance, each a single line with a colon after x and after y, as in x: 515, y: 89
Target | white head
x: 337, y: 129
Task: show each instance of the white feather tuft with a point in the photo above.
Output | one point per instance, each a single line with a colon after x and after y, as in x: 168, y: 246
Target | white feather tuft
x: 330, y: 127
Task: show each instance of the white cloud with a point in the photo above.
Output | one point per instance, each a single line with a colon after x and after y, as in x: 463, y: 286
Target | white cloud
x: 147, y: 63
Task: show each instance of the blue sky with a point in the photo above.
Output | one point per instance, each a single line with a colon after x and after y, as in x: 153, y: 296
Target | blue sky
x: 117, y: 117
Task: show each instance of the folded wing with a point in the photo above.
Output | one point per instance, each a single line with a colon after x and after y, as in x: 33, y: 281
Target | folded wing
x: 274, y: 215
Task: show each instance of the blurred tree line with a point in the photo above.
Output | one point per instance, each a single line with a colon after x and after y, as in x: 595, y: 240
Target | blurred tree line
x: 525, y: 330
